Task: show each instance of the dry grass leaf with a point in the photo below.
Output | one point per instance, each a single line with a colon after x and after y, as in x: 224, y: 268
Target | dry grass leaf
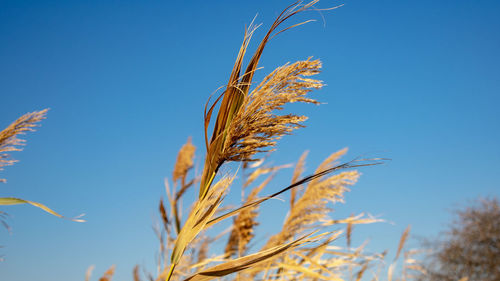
x: 231, y: 101
x: 247, y: 262
x: 309, y: 263
x: 197, y: 220
x: 16, y: 201
x: 348, y: 165
x: 9, y: 140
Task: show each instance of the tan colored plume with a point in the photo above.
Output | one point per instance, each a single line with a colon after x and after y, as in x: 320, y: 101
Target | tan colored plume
x: 226, y: 132
x: 9, y: 140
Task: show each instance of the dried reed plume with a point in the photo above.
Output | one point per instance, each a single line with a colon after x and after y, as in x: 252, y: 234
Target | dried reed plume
x: 255, y: 128
x: 231, y: 140
x: 184, y: 161
x: 311, y: 209
x: 182, y: 166
x: 412, y: 268
x: 9, y: 140
x: 243, y: 225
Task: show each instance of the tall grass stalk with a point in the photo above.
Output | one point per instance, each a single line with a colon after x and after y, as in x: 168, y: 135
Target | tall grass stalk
x: 249, y: 122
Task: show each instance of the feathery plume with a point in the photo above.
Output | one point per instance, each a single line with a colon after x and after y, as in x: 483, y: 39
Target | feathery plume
x: 227, y: 133
x: 311, y: 208
x: 245, y: 222
x: 256, y: 127
x: 184, y: 161
x: 9, y: 140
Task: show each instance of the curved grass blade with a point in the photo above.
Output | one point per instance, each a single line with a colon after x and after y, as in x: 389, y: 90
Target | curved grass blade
x: 201, y: 213
x: 16, y: 201
x: 350, y: 164
x: 249, y: 261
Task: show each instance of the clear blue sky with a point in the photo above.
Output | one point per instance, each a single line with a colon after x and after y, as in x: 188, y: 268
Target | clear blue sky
x: 126, y: 81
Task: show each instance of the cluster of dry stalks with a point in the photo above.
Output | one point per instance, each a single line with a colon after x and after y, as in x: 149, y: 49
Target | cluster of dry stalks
x: 247, y: 123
